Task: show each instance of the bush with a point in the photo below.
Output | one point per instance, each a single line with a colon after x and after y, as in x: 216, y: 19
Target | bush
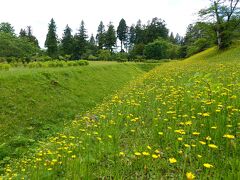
x: 157, y: 50
x: 104, y: 55
x: 5, y: 67
x: 52, y: 64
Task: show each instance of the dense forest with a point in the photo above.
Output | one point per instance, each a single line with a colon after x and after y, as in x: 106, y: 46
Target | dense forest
x: 218, y: 25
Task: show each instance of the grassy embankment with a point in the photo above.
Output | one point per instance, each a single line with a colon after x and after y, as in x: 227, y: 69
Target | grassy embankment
x: 35, y: 103
x: 179, y: 121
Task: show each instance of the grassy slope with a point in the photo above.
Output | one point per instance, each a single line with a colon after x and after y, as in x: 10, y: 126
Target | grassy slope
x: 182, y: 117
x: 37, y: 102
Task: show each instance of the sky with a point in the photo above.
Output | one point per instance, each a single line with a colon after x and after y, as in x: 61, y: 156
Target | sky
x: 178, y: 14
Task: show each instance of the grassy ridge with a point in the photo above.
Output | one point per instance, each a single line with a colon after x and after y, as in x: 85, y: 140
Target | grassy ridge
x: 37, y: 102
x: 179, y: 121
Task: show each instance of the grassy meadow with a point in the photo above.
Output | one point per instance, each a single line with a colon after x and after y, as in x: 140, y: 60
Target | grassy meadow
x: 36, y: 103
x: 178, y: 121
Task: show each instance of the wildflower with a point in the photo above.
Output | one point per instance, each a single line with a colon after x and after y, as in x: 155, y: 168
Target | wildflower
x: 213, y: 127
x: 206, y: 114
x: 98, y: 138
x: 195, y: 133
x: 229, y: 136
x: 149, y: 147
x: 202, y: 142
x: 137, y: 153
x: 190, y: 176
x: 110, y: 136
x: 186, y: 145
x: 121, y: 154
x: 172, y: 160
x: 199, y: 156
x: 145, y: 153
x: 160, y: 133
x: 208, y: 138
x: 154, y: 156
x: 207, y: 165
x: 73, y: 156
x: 188, y: 123
x: 213, y: 146
x: 179, y: 139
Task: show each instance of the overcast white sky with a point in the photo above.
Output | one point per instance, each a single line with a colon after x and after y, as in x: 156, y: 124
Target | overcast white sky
x: 37, y: 13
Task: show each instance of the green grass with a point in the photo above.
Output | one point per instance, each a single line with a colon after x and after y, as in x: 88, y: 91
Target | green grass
x: 35, y: 103
x: 178, y: 121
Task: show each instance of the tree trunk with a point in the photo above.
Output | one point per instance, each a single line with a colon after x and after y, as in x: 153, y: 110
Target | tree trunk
x: 218, y: 28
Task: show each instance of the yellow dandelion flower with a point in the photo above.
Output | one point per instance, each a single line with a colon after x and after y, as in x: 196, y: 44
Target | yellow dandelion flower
x: 212, y: 146
x: 202, y: 142
x: 199, y: 156
x: 195, y: 133
x: 121, y: 154
x: 206, y: 114
x: 73, y: 156
x: 154, y: 156
x: 229, y: 136
x: 160, y: 133
x: 179, y: 139
x: 146, y: 153
x: 172, y: 160
x: 207, y: 165
x: 149, y: 147
x: 137, y: 153
x: 186, y: 145
x: 190, y: 176
x: 208, y: 138
x: 188, y: 123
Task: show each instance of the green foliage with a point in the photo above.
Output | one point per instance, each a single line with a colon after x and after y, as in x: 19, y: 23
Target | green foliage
x: 110, y: 37
x: 80, y: 42
x: 138, y: 50
x: 51, y: 42
x: 156, y: 50
x: 122, y: 32
x: 226, y: 20
x: 199, y: 45
x: 100, y: 35
x: 104, y: 55
x: 27, y: 34
x: 67, y: 41
x: 12, y: 46
x: 6, y: 27
x: 57, y: 63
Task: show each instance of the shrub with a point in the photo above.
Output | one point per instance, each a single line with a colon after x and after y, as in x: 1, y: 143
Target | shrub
x: 5, y: 67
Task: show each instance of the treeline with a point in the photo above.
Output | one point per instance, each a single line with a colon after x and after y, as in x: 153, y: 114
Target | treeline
x: 136, y: 42
x: 219, y: 26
